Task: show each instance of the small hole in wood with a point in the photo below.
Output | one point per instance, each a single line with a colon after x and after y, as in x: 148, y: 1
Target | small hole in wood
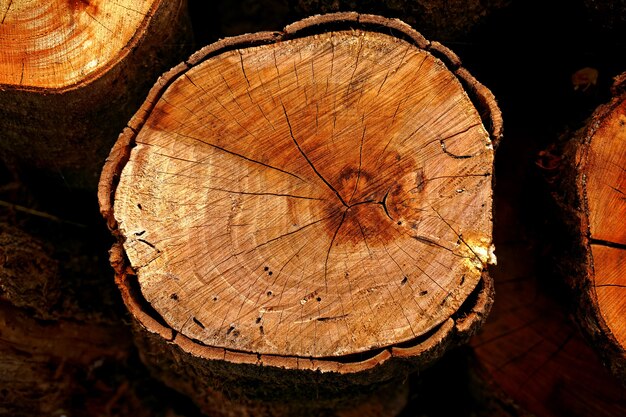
x: 404, y: 280
x: 215, y: 298
x: 258, y: 320
x: 174, y: 297
x: 139, y: 206
x: 423, y: 293
x: 267, y: 268
x: 270, y: 273
x: 319, y: 299
x: 269, y: 293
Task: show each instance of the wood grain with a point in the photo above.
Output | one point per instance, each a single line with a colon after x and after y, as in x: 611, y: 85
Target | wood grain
x: 310, y: 187
x: 59, y: 44
x: 310, y: 206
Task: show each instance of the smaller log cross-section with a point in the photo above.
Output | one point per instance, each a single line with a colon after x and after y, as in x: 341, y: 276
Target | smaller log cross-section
x: 72, y: 73
x: 310, y: 195
x: 59, y: 44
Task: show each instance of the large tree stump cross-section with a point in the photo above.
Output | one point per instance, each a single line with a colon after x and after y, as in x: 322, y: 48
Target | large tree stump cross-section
x: 309, y: 195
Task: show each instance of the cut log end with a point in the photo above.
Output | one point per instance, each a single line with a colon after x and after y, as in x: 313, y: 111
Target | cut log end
x: 59, y: 44
x: 306, y: 201
x: 601, y: 187
x: 72, y: 72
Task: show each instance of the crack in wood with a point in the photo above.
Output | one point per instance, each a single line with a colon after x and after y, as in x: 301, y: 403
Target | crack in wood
x: 607, y: 243
x: 240, y: 156
x: 308, y: 160
x: 6, y: 11
x: 333, y: 318
x: 264, y: 194
x: 330, y: 247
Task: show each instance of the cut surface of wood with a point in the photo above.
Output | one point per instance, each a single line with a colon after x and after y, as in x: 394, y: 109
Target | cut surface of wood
x: 57, y: 44
x: 310, y: 206
x: 317, y: 197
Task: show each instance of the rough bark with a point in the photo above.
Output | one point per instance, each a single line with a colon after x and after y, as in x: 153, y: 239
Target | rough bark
x: 45, y: 363
x: 51, y: 347
x: 299, y: 170
x: 72, y: 73
x: 446, y: 21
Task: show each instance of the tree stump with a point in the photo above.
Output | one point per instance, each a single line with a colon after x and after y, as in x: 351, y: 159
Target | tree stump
x: 305, y: 216
x: 592, y: 195
x: 72, y: 72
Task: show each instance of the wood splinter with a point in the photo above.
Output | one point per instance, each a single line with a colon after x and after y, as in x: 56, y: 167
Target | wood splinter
x: 304, y: 217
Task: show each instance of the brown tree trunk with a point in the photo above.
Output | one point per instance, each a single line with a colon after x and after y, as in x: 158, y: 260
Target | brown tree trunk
x: 73, y: 72
x: 305, y: 217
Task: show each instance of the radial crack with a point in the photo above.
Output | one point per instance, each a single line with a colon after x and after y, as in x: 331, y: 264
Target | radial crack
x: 307, y: 158
x: 330, y: 247
x: 240, y: 156
x: 607, y: 243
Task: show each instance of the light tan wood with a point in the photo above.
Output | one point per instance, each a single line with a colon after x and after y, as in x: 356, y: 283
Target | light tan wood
x: 58, y: 44
x: 337, y: 186
x: 305, y: 216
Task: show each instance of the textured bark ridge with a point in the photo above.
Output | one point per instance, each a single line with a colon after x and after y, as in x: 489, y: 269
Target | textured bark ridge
x: 72, y: 72
x: 309, y: 208
x: 449, y: 20
x: 594, y: 180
